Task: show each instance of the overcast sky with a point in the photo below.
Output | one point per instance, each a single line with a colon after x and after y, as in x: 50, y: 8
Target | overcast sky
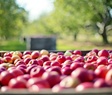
x: 36, y: 7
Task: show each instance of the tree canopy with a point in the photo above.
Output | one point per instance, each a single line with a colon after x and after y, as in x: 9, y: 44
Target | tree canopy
x: 12, y: 19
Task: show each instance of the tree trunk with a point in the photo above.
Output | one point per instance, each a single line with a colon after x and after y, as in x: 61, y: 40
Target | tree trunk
x: 104, y: 36
x: 75, y: 36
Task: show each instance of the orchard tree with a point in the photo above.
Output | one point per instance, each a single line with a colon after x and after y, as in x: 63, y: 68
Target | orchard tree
x: 72, y: 15
x: 12, y: 19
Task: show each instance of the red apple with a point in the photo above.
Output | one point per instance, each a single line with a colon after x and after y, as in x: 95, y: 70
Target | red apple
x: 84, y: 85
x: 46, y: 63
x: 16, y: 72
x: 53, y: 78
x: 82, y: 74
x: 37, y: 71
x: 60, y: 59
x: 15, y: 83
x: 4, y: 88
x: 27, y: 52
x: 37, y: 81
x: 57, y: 88
x: 104, y: 53
x: 26, y: 60
x: 66, y: 71
x: 101, y: 72
x: 99, y: 83
x: 102, y: 60
x: 54, y: 68
x: 44, y: 58
x: 90, y: 66
x: 35, y: 54
x: 5, y: 77
x: 77, y: 52
x: 76, y: 65
x: 55, y: 63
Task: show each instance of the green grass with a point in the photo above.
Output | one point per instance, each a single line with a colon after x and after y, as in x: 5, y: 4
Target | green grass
x: 12, y: 45
x: 62, y: 44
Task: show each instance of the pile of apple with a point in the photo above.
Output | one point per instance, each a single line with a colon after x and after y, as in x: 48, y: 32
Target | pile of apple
x: 57, y: 71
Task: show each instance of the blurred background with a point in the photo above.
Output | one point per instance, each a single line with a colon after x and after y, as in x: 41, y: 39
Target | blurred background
x: 75, y: 24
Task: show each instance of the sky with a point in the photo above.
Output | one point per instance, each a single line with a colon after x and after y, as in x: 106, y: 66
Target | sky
x: 36, y: 7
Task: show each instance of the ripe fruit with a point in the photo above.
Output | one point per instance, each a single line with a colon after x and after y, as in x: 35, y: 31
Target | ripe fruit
x: 5, y: 77
x: 15, y: 83
x: 53, y: 78
x: 104, y: 53
x: 35, y: 54
x: 69, y: 82
x: 84, y: 85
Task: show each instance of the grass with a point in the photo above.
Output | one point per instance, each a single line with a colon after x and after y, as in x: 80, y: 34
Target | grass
x: 12, y: 45
x: 62, y: 44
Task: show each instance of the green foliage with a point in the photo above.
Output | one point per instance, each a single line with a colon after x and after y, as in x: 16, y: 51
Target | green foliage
x: 12, y: 19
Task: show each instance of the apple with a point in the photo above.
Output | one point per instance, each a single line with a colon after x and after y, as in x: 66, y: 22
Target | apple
x: 76, y: 65
x: 7, y: 59
x: 37, y: 71
x: 60, y: 59
x: 84, y: 85
x: 67, y: 61
x: 37, y: 81
x: 15, y: 83
x: 25, y: 77
x: 44, y: 52
x: 35, y: 54
x: 20, y: 62
x: 4, y: 88
x: 40, y: 62
x: 26, y: 60
x: 46, y: 63
x: 37, y: 88
x: 1, y: 60
x: 82, y: 74
x: 67, y: 53
x: 44, y: 58
x: 26, y: 56
x: 15, y: 57
x: 69, y: 82
x: 90, y: 59
x: 7, y: 54
x: 77, y: 52
x: 5, y: 77
x: 90, y: 66
x: 33, y: 61
x: 55, y: 69
x: 22, y: 68
x: 55, y: 63
x: 27, y: 52
x: 101, y: 72
x: 108, y: 76
x: 66, y: 71
x: 2, y: 69
x: 104, y: 53
x: 53, y: 78
x: 102, y: 60
x: 57, y: 88
x: 95, y: 50
x: 29, y: 68
x: 100, y: 82
x: 16, y: 72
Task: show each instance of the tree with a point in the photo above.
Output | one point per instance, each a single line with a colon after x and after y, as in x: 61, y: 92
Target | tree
x: 75, y: 14
x: 12, y: 19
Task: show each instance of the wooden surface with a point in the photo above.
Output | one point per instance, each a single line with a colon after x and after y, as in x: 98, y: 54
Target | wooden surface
x: 101, y: 91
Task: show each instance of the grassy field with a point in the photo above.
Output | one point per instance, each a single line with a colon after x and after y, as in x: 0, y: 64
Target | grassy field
x: 62, y: 44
